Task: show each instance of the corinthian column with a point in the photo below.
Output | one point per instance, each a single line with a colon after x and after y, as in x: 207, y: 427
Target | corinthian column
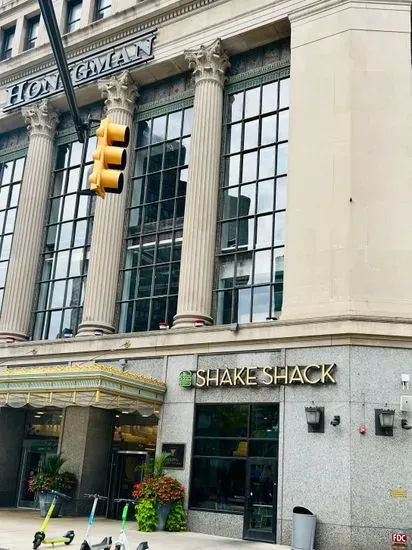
x: 120, y: 93
x: 209, y: 65
x: 27, y: 238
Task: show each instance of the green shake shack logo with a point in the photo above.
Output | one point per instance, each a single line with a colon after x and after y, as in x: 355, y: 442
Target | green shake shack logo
x: 315, y: 374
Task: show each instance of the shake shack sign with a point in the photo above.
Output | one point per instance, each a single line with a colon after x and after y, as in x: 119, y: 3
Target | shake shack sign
x: 318, y: 374
x: 101, y: 63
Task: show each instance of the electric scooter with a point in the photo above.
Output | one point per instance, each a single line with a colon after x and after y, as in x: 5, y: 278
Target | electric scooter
x: 40, y: 536
x: 122, y: 542
x: 86, y: 544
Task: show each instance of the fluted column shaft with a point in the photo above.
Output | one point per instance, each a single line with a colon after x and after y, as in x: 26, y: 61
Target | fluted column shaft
x: 107, y: 239
x: 27, y: 238
x: 199, y: 230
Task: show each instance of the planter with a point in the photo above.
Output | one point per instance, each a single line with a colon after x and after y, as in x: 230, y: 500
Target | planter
x: 45, y: 500
x: 162, y: 513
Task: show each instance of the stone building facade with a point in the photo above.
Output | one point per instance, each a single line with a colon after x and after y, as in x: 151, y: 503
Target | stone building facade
x: 245, y: 302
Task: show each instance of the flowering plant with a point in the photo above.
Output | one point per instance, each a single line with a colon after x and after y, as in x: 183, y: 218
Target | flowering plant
x: 49, y: 478
x: 43, y: 483
x: 163, y: 489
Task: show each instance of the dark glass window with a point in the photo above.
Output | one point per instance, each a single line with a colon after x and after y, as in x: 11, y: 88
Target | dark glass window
x: 66, y: 252
x: 224, y: 437
x: 74, y: 12
x: 32, y: 32
x: 103, y: 9
x: 11, y: 174
x: 156, y: 210
x: 7, y: 44
x: 251, y: 225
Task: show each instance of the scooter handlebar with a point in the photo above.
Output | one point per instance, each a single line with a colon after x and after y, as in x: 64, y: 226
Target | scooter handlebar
x: 123, y: 500
x: 61, y: 495
x: 99, y: 497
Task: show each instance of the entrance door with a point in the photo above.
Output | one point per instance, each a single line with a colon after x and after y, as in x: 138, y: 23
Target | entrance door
x: 261, y: 500
x: 125, y: 473
x: 34, y: 453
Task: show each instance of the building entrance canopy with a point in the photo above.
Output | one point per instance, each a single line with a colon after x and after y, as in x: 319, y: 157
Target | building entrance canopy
x: 80, y: 385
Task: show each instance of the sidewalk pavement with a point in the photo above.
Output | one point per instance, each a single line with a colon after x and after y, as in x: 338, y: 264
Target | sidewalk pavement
x: 17, y: 528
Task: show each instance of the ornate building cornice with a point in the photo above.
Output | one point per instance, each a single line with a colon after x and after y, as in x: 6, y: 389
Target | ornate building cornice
x: 209, y: 62
x: 109, y: 38
x: 119, y: 92
x: 41, y: 119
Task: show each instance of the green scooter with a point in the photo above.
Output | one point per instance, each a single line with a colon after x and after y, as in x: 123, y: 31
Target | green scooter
x: 122, y: 542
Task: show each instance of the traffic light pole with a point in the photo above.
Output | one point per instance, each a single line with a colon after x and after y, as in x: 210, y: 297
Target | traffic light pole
x: 49, y: 17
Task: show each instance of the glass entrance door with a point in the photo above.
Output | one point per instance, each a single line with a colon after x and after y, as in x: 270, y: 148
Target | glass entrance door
x: 261, y: 499
x: 34, y: 453
x: 126, y: 471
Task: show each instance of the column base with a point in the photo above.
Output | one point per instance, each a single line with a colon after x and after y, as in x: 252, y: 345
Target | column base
x: 9, y: 337
x: 94, y: 329
x: 190, y: 320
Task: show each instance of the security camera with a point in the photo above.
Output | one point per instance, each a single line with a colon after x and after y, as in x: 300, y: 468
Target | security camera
x: 405, y: 425
x: 335, y: 421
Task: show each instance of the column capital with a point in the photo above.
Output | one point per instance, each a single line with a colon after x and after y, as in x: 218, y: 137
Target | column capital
x: 119, y: 92
x: 209, y: 62
x: 41, y: 119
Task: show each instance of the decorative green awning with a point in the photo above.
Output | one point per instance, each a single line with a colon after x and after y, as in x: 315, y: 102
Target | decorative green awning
x: 80, y: 385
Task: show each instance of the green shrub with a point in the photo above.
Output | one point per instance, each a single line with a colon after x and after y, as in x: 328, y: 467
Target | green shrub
x: 146, y: 515
x: 176, y: 520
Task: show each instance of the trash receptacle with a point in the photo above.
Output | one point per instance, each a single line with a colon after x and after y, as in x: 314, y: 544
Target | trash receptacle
x: 303, y: 529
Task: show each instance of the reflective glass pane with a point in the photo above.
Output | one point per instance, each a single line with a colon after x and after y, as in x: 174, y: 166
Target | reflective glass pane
x: 3, y: 273
x: 264, y: 421
x: 280, y: 229
x: 145, y: 282
x: 283, y: 126
x: 76, y: 153
x: 244, y: 296
x: 55, y: 210
x: 281, y: 184
x: 222, y: 421
x: 4, y: 195
x: 264, y: 231
x: 282, y: 160
x: 174, y: 278
x: 53, y: 331
x: 126, y: 317
x: 6, y: 173
x: 15, y: 193
x: 58, y: 183
x: 61, y: 265
x: 184, y: 151
x: 5, y: 247
x: 247, y: 200
x: 236, y: 107
x: 224, y: 307
x: 218, y: 484
x: 251, y: 135
x: 58, y: 294
x: 220, y: 447
x: 73, y: 180
x: 269, y: 97
x: 76, y: 263
x: 158, y: 313
x: 262, y: 266
x: 252, y: 102
x: 65, y: 235
x: 188, y: 121
x: 246, y: 232
x: 138, y: 192
x: 18, y: 169
x: 69, y: 206
x: 249, y: 172
x: 169, y: 184
x: 159, y: 129
x: 234, y: 138
x: 265, y: 196
x: 244, y: 269
x: 141, y: 320
x: 80, y: 233
x: 156, y: 158
x: 10, y: 219
x: 230, y: 202
x: 284, y: 94
x: 267, y: 162
x: 268, y: 130
x: 232, y: 170
x: 228, y: 236
x: 143, y: 133
x: 261, y: 303
x: 278, y: 263
x: 174, y: 125
x: 226, y: 272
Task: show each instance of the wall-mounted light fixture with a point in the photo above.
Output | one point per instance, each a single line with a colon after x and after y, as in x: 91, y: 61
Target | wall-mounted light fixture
x: 384, y: 419
x: 336, y: 420
x: 315, y: 418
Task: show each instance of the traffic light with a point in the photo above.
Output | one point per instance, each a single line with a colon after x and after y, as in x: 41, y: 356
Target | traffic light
x: 110, y: 158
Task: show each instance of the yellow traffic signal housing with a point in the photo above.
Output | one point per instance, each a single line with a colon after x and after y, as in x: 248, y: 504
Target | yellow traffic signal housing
x: 110, y: 158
